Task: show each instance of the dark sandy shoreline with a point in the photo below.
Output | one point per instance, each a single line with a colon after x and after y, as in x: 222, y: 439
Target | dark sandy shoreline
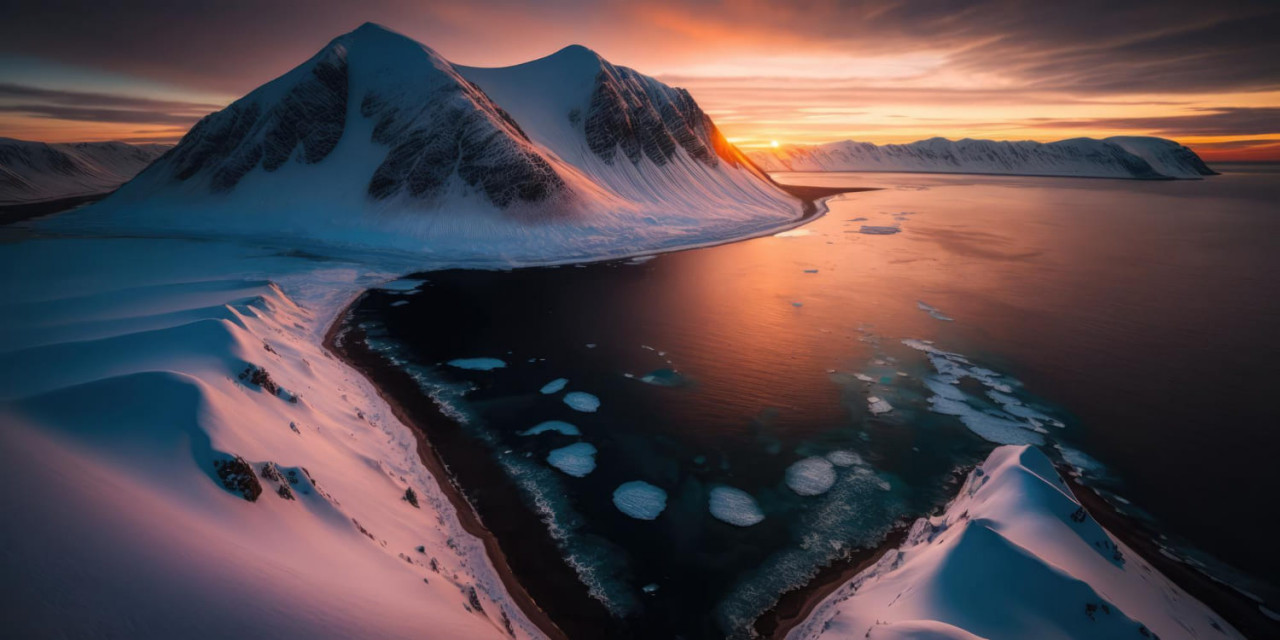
x: 1234, y: 607
x: 347, y: 343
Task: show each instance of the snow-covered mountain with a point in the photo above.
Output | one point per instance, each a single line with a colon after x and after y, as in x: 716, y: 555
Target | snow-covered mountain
x: 1117, y: 157
x: 37, y: 171
x: 378, y: 140
x: 1014, y: 556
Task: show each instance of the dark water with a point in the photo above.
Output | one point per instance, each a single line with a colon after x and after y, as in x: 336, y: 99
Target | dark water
x: 1139, y: 315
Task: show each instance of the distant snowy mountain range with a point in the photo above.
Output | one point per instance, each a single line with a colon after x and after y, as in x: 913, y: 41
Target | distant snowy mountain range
x: 1118, y: 157
x: 378, y: 140
x: 38, y: 172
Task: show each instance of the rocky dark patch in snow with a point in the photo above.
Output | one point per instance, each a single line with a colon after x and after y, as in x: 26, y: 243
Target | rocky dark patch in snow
x: 238, y: 478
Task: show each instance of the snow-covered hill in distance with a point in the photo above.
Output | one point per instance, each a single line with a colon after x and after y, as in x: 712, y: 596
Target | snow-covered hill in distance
x: 1140, y: 158
x: 379, y: 141
x: 32, y: 172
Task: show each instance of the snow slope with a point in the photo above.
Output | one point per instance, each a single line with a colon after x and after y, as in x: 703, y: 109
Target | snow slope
x: 1119, y: 157
x: 1014, y: 556
x: 37, y: 171
x: 378, y: 141
x: 123, y: 390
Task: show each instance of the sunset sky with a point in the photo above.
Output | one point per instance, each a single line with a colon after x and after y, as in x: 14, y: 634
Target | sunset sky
x: 1204, y: 73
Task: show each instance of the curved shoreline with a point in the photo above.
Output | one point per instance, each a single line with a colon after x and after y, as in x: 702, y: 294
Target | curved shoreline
x: 419, y: 413
x: 359, y: 358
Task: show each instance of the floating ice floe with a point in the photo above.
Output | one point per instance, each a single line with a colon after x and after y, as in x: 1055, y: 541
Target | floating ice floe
x: 555, y: 386
x: 932, y: 311
x: 872, y: 230
x: 558, y: 426
x: 582, y: 401
x: 640, y: 500
x: 399, y: 303
x: 577, y: 459
x: 844, y: 458
x: 650, y: 588
x: 663, y: 378
x: 477, y: 364
x: 864, y: 377
x: 734, y: 506
x: 878, y: 405
x: 811, y: 476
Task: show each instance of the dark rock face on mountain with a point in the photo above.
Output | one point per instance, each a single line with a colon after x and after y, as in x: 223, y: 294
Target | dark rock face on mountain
x: 238, y: 139
x: 458, y: 131
x: 434, y: 124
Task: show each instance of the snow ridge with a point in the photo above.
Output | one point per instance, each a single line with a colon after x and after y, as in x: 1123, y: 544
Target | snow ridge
x: 1117, y: 157
x: 1014, y: 556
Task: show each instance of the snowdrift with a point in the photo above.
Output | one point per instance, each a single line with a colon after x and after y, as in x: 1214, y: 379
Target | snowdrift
x: 1118, y: 157
x: 181, y: 457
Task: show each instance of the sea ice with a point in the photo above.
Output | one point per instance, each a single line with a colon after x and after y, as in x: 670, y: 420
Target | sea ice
x: 552, y: 425
x: 844, y: 458
x: 399, y: 303
x: 811, y: 476
x: 878, y: 405
x: 555, y: 386
x: 477, y: 364
x: 932, y: 311
x: 639, y: 499
x: 872, y: 230
x: 582, y: 401
x: 577, y: 459
x: 735, y: 507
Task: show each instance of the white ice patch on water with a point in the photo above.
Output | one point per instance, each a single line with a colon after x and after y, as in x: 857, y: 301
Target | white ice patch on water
x: 477, y: 364
x: 932, y: 311
x: 864, y: 377
x: 1080, y: 460
x: 640, y: 500
x: 399, y: 303
x: 844, y: 458
x: 944, y: 389
x: 577, y: 459
x: 734, y: 506
x: 811, y: 476
x: 987, y: 426
x: 582, y: 401
x: 878, y: 405
x: 552, y: 425
x: 555, y: 386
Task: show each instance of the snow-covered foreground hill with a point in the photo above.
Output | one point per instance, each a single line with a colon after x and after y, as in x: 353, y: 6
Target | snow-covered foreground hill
x: 1117, y: 157
x: 37, y: 171
x: 148, y: 387
x: 378, y: 141
x: 1013, y: 556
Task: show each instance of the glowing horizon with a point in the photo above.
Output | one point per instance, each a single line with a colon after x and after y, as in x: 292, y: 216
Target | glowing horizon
x: 876, y: 72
